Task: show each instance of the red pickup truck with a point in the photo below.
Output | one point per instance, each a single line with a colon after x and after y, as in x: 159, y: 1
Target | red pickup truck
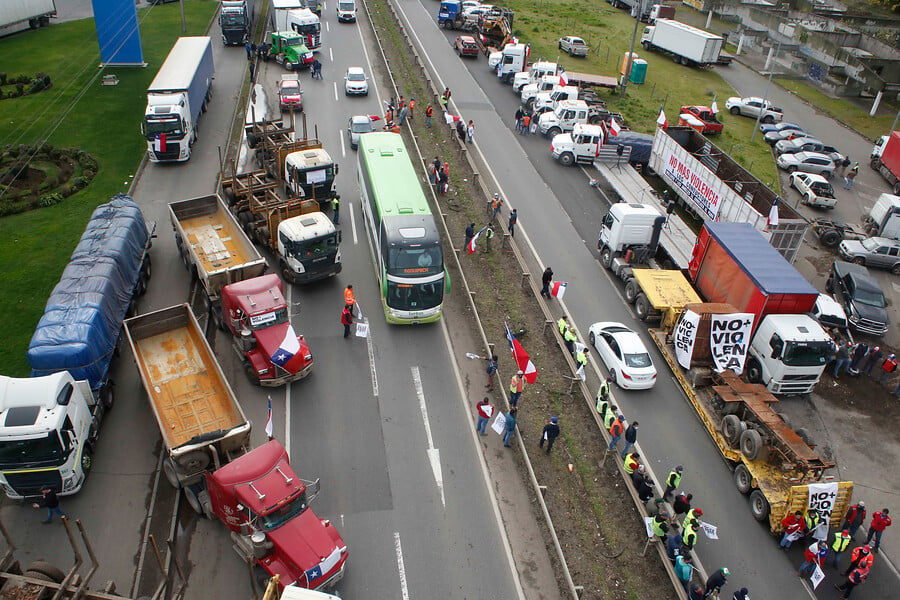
x: 711, y: 125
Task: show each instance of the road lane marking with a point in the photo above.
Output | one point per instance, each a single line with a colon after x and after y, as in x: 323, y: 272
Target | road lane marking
x: 371, y: 349
x: 328, y: 29
x: 330, y: 55
x: 353, y: 225
x: 434, y: 455
x: 343, y: 150
x: 400, y: 568
x: 335, y: 92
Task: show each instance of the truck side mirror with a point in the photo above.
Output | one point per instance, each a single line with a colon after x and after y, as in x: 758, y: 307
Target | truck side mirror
x: 335, y: 168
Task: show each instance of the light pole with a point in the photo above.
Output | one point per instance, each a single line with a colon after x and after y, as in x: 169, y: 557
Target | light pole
x: 637, y: 21
x: 766, y: 93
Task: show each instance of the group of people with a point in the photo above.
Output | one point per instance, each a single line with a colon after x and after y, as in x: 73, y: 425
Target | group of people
x: 860, y: 358
x: 526, y: 121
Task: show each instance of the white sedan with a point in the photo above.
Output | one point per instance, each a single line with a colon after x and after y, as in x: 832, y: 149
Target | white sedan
x: 624, y: 354
x: 356, y: 82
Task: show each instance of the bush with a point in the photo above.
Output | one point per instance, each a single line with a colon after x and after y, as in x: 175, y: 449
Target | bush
x: 2, y: 78
x: 79, y: 183
x: 51, y: 199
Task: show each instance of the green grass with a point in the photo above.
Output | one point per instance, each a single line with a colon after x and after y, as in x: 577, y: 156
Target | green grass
x: 843, y: 110
x: 608, y: 31
x: 102, y: 120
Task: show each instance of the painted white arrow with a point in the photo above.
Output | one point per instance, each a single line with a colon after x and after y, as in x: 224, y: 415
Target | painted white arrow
x: 434, y: 455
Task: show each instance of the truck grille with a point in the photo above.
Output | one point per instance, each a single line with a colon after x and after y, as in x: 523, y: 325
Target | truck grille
x: 169, y: 154
x: 30, y: 483
x: 873, y: 327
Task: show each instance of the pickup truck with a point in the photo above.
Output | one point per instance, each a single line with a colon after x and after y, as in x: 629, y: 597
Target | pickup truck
x: 573, y: 46
x: 814, y: 189
x: 711, y: 125
x: 860, y: 295
x: 751, y: 107
x: 567, y: 114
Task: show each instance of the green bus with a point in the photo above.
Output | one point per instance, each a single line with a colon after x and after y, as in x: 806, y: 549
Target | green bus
x: 402, y: 233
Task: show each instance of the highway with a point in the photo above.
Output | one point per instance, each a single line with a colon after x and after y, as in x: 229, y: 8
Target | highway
x: 560, y: 215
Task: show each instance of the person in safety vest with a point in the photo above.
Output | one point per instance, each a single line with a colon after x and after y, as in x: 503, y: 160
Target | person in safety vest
x: 840, y: 543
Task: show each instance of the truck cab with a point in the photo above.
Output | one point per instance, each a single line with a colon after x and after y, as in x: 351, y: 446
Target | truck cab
x: 550, y: 100
x: 235, y: 19
x: 166, y: 124
x: 536, y: 73
x: 579, y: 146
x: 256, y: 314
x: 788, y: 354
x: 289, y: 50
x: 513, y: 59
x: 309, y: 248
x: 547, y: 83
x: 566, y: 115
x: 883, y: 219
x: 346, y: 11
x: 48, y: 434
x: 265, y: 504
x: 450, y: 14
x: 307, y: 24
x: 309, y: 174
x: 627, y: 227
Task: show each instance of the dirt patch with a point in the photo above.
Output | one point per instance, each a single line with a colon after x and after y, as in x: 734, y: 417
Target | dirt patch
x: 594, y: 515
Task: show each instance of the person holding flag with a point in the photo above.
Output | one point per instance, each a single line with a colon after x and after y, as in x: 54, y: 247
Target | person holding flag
x: 471, y: 244
x: 521, y: 358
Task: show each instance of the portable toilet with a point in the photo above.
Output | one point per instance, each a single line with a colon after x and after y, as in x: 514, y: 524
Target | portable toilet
x: 638, y: 70
x: 624, y: 69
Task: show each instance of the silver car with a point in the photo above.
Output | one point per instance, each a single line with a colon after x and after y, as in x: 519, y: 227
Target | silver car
x: 807, y: 162
x: 878, y: 252
x: 799, y: 144
x: 358, y: 125
x: 775, y: 136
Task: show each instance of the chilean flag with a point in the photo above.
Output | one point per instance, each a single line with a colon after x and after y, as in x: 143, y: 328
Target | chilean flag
x: 661, y: 119
x: 269, y: 424
x: 451, y: 119
x: 288, y: 347
x: 523, y: 361
x: 558, y: 290
x: 160, y: 143
x: 614, y: 127
x: 772, y: 221
x: 563, y: 78
x: 471, y: 247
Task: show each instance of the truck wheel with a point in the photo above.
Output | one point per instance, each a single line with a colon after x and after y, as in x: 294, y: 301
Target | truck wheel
x: 87, y: 460
x: 768, y: 119
x: 606, y: 258
x: 194, y: 461
x: 252, y: 375
x: 830, y: 238
x: 759, y: 506
x: 642, y: 307
x: 896, y: 269
x: 859, y: 260
x: 646, y: 45
x: 751, y: 442
x: 287, y: 274
x: 632, y: 289
x: 743, y: 481
x: 732, y: 428
x: 49, y: 570
x: 734, y: 110
x: 595, y: 120
x: 529, y: 105
x: 566, y: 159
x: 108, y: 395
x: 875, y: 163
x: 171, y: 473
x: 897, y: 189
x: 553, y: 132
x: 190, y: 494
x: 754, y: 370
x: 803, y: 433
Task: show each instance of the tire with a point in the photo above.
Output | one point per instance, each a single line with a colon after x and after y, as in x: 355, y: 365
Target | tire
x: 108, y: 395
x: 171, y: 473
x: 792, y: 169
x: 286, y: 273
x: 642, y: 307
x: 194, y: 461
x: 612, y: 377
x: 753, y: 370
x: 593, y: 339
x: 759, y: 506
x: 785, y: 418
x: 830, y: 238
x: 751, y: 443
x: 190, y: 494
x: 529, y: 105
x: 743, y: 481
x: 606, y: 258
x: 875, y: 163
x: 553, y: 132
x: 807, y: 200
x: 734, y: 110
x: 732, y: 428
x: 595, y: 120
x: 646, y: 45
x: 896, y: 269
x: 44, y: 568
x: 859, y: 260
x: 829, y: 285
x: 768, y: 119
x: 804, y: 435
x: 896, y: 189
x: 632, y: 289
x: 252, y: 375
x: 566, y: 159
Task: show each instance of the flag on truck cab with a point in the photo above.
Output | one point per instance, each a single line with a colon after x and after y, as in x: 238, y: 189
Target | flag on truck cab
x: 471, y: 247
x: 563, y: 78
x: 523, y: 361
x: 715, y: 107
x: 661, y: 119
x: 288, y: 347
x: 269, y: 425
x: 160, y: 143
x: 614, y: 127
x: 559, y: 289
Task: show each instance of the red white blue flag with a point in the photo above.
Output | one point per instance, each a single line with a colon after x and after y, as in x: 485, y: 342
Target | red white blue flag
x: 288, y: 347
x: 558, y: 289
x: 523, y: 361
x: 269, y: 424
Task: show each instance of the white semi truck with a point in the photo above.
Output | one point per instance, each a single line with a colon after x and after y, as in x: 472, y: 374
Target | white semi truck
x: 688, y: 45
x: 176, y: 98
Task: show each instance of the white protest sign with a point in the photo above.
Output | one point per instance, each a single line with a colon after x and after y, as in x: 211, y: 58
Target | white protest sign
x: 817, y: 577
x: 499, y: 424
x: 362, y: 329
x: 709, y: 530
x: 729, y: 339
x: 648, y: 523
x: 685, y: 336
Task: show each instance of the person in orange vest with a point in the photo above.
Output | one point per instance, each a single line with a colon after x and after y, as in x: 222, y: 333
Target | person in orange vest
x: 880, y: 522
x: 860, y: 558
x: 429, y: 112
x: 412, y: 107
x: 516, y: 387
x: 616, y: 430
x: 349, y: 299
x: 496, y: 205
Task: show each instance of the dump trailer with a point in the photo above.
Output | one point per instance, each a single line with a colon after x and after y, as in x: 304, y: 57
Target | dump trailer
x: 775, y: 465
x: 688, y: 45
x: 198, y: 414
x: 213, y: 246
x: 18, y: 15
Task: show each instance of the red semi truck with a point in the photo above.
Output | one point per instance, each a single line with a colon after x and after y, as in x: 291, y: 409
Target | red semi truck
x: 886, y: 160
x: 254, y: 311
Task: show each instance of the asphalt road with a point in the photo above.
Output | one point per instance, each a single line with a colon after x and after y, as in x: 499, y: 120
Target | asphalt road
x: 560, y: 215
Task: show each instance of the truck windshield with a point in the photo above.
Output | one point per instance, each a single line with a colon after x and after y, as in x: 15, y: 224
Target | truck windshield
x: 350, y: 6
x: 38, y: 451
x: 155, y: 127
x: 309, y: 28
x: 276, y: 519
x: 306, y: 249
x: 293, y: 41
x: 233, y: 19
x: 263, y: 320
x: 869, y: 297
x: 806, y: 355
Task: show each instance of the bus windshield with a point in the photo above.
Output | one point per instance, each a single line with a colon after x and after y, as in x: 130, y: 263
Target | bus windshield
x: 415, y: 261
x: 415, y: 296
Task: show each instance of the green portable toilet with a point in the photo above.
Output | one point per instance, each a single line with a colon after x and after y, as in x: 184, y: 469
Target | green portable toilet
x: 638, y: 70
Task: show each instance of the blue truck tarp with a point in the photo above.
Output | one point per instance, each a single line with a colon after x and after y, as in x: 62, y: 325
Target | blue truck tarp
x: 641, y: 145
x: 83, y: 316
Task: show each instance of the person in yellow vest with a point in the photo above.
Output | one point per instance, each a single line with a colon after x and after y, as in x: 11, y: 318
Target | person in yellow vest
x: 660, y: 525
x: 609, y: 416
x: 692, y: 515
x: 516, y: 387
x: 689, y: 537
x: 672, y: 481
x: 632, y: 462
x: 581, y: 357
x: 840, y: 543
x: 570, y: 338
x: 562, y: 325
x: 602, y: 395
x: 810, y: 522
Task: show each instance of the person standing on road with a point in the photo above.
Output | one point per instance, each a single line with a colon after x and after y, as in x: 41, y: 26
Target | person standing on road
x: 813, y: 556
x: 692, y: 515
x: 716, y: 582
x: 491, y: 370
x: 672, y: 481
x: 857, y: 576
x: 249, y: 49
x: 793, y: 529
x: 842, y: 168
x: 519, y: 115
x: 741, y: 594
x: 496, y: 206
x: 347, y: 319
x: 684, y: 570
x: 880, y: 522
x: 546, y: 280
x: 470, y: 132
x: 570, y: 338
x: 510, y: 425
x: 349, y: 298
x: 50, y: 501
x: 516, y: 387
x: 461, y: 131
x: 526, y: 123
x: 673, y: 546
x: 336, y: 209
x: 630, y: 438
x: 682, y: 503
x: 485, y: 412
x: 690, y: 533
x: 860, y: 558
x: 511, y: 224
x: 850, y: 176
x: 841, y: 359
x: 840, y: 543
x: 470, y: 233
x: 872, y: 358
x: 855, y: 517
x: 616, y: 430
x: 550, y: 433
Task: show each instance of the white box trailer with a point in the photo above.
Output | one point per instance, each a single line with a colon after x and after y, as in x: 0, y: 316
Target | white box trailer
x: 689, y: 45
x: 278, y: 13
x: 18, y: 15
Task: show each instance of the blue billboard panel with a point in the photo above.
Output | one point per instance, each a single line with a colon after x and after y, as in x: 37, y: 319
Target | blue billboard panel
x: 118, y: 32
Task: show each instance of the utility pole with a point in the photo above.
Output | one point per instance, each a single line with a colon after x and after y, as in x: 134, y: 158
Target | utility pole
x: 637, y: 21
x: 766, y: 93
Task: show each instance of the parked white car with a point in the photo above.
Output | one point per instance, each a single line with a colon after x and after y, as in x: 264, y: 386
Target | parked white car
x: 624, y: 354
x: 355, y: 82
x: 751, y: 107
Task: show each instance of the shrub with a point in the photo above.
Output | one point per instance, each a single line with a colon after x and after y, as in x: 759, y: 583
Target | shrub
x: 79, y: 183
